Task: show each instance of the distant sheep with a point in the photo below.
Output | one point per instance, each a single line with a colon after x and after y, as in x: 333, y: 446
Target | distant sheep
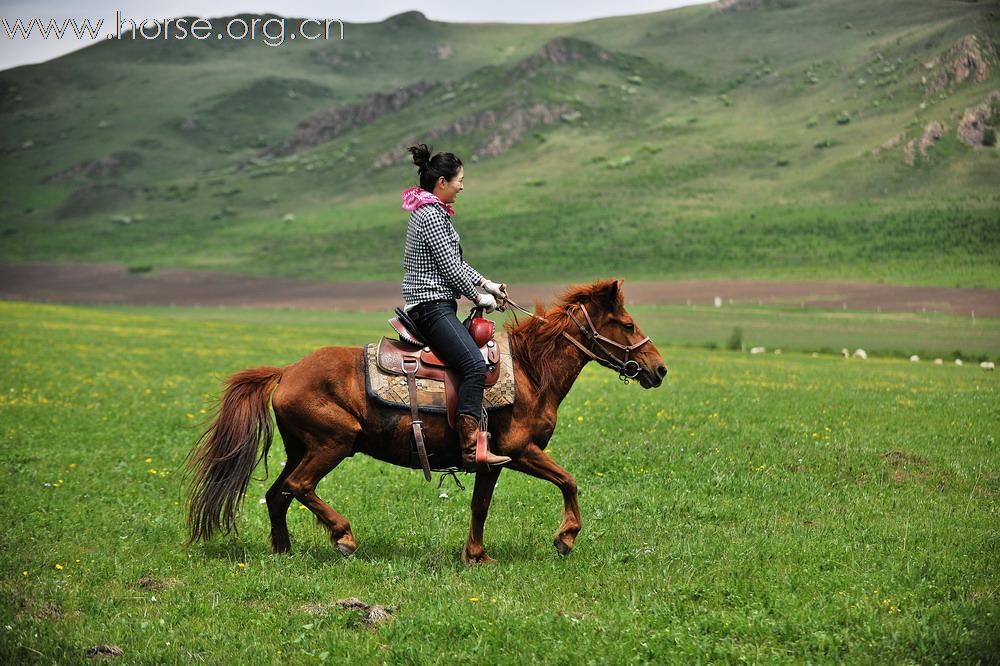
x: 915, y: 359
x: 958, y: 362
x: 757, y: 350
x: 861, y: 353
x: 987, y: 365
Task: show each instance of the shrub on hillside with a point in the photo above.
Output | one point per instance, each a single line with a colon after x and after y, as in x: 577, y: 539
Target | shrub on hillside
x: 735, y: 342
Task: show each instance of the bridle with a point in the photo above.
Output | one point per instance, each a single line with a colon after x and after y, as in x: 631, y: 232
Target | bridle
x: 627, y: 368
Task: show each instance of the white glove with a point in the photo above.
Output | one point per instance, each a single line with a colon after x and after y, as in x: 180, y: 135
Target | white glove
x: 487, y: 302
x: 497, y: 289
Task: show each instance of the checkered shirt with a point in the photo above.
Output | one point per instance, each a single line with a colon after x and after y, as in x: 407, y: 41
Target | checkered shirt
x: 432, y: 261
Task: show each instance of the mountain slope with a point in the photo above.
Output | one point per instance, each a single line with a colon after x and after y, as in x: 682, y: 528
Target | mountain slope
x: 770, y: 139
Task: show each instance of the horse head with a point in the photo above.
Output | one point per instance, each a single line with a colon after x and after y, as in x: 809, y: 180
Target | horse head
x: 610, y: 332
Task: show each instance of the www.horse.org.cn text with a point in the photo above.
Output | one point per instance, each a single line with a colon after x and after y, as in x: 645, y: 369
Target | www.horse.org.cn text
x: 270, y: 31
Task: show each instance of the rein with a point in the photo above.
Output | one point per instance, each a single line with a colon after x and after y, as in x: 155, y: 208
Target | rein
x: 627, y: 368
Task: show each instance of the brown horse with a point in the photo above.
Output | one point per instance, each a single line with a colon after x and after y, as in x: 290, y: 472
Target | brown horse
x: 325, y: 416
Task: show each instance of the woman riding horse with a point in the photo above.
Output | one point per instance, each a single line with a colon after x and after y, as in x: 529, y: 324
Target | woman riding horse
x: 435, y: 277
x: 325, y: 416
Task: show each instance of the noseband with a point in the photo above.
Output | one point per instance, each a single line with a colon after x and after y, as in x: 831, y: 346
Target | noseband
x: 627, y: 368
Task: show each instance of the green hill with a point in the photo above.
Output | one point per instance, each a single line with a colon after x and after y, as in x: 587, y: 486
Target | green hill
x: 756, y: 138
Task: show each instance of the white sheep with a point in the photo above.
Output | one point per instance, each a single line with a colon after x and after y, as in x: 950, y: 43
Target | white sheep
x: 861, y: 353
x: 915, y: 359
x: 757, y: 350
x: 987, y: 365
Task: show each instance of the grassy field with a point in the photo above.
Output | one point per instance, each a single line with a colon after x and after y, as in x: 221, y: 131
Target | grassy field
x: 756, y: 508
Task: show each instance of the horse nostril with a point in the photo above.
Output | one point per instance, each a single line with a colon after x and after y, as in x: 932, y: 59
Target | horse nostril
x: 662, y: 371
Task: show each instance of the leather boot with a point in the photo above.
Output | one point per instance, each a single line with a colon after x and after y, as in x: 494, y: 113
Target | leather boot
x: 476, y: 456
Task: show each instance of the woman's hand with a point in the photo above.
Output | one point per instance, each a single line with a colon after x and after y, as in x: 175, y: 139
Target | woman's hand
x: 495, y: 288
x: 487, y: 302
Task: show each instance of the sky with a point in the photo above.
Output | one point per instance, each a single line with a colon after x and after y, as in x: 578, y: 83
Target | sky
x: 35, y: 49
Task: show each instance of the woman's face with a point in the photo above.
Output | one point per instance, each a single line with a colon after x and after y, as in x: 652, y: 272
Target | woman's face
x: 447, y: 190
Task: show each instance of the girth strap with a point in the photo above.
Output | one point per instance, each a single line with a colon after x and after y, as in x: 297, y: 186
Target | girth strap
x: 410, y: 368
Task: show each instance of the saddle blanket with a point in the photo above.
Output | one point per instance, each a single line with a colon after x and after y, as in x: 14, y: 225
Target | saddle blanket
x: 391, y: 390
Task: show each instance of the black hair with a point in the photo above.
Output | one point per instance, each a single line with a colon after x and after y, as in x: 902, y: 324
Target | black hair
x: 430, y: 168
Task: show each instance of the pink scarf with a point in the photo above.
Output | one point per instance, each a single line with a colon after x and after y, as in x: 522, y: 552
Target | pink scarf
x: 415, y: 197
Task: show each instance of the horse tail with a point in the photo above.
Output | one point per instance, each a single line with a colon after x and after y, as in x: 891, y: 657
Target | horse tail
x: 226, y: 453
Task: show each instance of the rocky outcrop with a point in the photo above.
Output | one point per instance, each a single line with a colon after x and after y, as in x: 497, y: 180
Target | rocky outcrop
x: 564, y: 51
x: 501, y: 129
x: 932, y: 134
x: 966, y: 60
x: 975, y: 121
x: 324, y: 125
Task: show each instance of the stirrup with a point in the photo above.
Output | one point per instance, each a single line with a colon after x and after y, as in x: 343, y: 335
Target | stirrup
x: 481, y: 452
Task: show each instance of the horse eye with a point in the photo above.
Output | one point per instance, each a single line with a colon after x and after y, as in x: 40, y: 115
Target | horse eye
x: 630, y: 328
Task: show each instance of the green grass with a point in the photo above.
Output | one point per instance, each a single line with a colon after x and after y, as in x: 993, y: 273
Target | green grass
x: 768, y: 509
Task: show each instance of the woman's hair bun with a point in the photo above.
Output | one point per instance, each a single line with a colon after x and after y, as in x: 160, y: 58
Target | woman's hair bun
x: 421, y: 155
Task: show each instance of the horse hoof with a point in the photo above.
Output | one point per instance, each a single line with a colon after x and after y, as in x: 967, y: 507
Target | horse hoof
x: 469, y: 560
x: 346, y: 545
x: 562, y: 547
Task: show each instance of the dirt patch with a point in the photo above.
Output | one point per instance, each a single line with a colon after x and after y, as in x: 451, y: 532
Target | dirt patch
x: 368, y: 615
x: 153, y: 583
x: 899, y: 466
x: 984, y: 592
x: 95, y: 284
x: 896, y: 457
x: 902, y: 467
x: 104, y: 652
x: 39, y: 610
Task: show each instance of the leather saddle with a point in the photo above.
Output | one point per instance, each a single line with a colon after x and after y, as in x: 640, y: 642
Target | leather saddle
x: 411, y: 357
x: 409, y: 352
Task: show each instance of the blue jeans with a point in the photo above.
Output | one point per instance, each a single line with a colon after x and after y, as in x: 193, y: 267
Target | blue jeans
x: 453, y: 344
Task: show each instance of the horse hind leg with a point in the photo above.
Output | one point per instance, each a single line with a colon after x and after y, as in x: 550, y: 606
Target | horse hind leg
x: 318, y: 461
x: 278, y: 497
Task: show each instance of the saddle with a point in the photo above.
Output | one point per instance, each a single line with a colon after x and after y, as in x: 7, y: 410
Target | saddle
x: 411, y: 357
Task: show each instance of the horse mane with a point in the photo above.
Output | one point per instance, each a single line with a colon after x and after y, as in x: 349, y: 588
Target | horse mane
x: 533, y: 342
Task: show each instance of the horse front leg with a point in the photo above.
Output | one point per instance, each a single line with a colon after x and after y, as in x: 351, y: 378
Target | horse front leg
x: 539, y: 464
x: 482, y: 495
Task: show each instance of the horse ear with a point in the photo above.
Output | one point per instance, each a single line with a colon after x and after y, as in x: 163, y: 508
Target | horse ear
x: 619, y: 298
x: 610, y: 292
